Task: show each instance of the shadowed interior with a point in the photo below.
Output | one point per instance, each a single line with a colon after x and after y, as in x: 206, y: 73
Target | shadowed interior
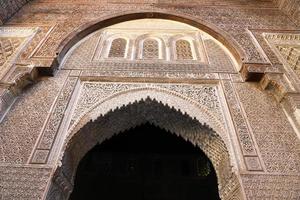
x: 145, y: 162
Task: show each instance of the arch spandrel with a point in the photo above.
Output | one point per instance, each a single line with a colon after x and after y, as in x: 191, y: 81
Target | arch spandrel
x: 137, y: 92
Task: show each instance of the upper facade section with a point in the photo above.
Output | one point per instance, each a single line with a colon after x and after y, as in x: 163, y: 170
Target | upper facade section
x: 150, y: 44
x: 290, y: 7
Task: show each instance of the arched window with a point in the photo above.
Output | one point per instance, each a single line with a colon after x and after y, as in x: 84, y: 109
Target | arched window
x: 150, y: 49
x: 183, y: 50
x: 117, y: 48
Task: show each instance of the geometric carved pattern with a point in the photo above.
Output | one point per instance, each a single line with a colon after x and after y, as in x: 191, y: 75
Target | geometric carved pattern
x: 286, y: 51
x: 217, y: 57
x: 183, y: 50
x: 248, y: 149
x: 118, y: 47
x: 93, y: 52
x: 150, y: 49
x: 272, y: 186
x: 292, y: 55
x: 11, y: 40
x: 42, y: 151
x: 238, y: 118
x: 27, y: 116
x: 275, y: 137
x: 7, y: 47
x: 20, y: 182
x: 82, y: 55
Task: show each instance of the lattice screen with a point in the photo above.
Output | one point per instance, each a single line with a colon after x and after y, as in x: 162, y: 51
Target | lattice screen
x: 118, y: 48
x: 183, y: 50
x: 150, y: 49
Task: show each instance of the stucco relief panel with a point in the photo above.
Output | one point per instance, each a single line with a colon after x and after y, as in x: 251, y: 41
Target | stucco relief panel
x: 271, y: 186
x: 205, y: 95
x: 21, y: 127
x: 277, y: 141
x: 243, y: 131
x: 23, y: 182
x: 92, y: 93
x: 121, y: 114
x: 45, y: 143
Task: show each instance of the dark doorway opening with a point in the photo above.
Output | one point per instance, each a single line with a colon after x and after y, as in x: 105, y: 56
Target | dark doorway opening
x: 145, y: 163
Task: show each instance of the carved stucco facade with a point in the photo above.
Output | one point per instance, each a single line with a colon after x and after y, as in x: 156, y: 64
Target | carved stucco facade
x: 237, y: 97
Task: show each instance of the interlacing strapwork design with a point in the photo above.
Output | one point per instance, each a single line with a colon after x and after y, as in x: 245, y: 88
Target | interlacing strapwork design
x: 150, y: 49
x: 292, y: 56
x: 118, y: 48
x: 183, y: 50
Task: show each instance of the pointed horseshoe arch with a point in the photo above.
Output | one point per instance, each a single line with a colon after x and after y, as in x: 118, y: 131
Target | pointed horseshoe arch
x: 132, y: 108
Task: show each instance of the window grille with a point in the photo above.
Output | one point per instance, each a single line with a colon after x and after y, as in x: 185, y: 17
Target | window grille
x: 183, y: 50
x: 117, y: 49
x: 150, y: 49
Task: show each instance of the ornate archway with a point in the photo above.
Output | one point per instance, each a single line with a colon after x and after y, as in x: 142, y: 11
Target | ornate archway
x: 104, y: 108
x: 132, y: 115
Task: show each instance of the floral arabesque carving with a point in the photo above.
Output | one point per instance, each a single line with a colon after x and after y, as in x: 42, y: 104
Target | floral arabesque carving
x: 92, y: 93
x: 242, y: 129
x: 201, y: 102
